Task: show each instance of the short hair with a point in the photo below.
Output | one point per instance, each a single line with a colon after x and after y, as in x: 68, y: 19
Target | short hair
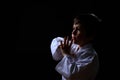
x: 89, y: 21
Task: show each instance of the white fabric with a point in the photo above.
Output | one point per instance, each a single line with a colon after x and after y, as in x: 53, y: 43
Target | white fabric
x: 75, y: 68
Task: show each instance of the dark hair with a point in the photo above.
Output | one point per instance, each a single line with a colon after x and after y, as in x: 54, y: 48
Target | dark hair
x: 89, y: 21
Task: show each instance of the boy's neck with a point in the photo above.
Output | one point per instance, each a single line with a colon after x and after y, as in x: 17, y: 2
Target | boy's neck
x: 84, y: 42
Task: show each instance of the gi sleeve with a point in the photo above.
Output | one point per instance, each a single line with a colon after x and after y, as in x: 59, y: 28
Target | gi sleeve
x: 55, y: 50
x: 71, y: 67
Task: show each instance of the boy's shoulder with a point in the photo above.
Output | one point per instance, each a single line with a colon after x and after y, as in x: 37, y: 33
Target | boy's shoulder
x: 58, y: 38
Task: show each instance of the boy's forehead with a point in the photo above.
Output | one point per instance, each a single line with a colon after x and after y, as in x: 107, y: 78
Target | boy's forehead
x: 76, y: 22
x: 78, y: 25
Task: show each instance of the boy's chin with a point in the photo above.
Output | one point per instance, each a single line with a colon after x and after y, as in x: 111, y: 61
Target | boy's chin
x: 74, y: 41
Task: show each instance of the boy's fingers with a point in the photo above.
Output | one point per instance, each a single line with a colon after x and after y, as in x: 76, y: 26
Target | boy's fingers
x: 65, y: 40
x: 71, y: 42
x: 61, y: 44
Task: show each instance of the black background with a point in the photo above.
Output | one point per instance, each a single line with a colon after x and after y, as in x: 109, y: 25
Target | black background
x: 38, y: 23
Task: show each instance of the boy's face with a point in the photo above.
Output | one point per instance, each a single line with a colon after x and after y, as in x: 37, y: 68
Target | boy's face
x: 78, y: 33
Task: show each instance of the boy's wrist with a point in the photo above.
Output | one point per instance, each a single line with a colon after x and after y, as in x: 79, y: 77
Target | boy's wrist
x: 69, y: 55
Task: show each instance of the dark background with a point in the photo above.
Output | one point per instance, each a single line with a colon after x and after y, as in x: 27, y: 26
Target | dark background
x: 38, y: 23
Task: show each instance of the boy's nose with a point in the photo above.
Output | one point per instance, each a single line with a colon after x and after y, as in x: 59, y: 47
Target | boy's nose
x: 74, y: 32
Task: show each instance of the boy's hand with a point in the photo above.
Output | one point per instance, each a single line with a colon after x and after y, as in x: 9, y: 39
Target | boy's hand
x: 66, y: 46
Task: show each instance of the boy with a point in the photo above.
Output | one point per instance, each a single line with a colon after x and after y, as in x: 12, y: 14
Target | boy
x: 78, y: 59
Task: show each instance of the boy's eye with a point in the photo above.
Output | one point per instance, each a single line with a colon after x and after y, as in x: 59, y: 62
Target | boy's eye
x: 76, y: 23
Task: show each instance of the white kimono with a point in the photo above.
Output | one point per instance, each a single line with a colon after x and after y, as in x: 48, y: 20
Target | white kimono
x: 83, y: 67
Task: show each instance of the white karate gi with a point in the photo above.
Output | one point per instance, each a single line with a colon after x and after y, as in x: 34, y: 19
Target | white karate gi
x: 84, y: 67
